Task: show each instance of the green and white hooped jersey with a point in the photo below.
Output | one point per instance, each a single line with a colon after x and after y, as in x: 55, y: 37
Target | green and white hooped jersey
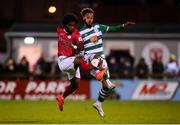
x: 92, y: 38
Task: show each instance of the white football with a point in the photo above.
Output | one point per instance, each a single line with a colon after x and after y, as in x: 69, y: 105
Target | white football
x: 95, y: 62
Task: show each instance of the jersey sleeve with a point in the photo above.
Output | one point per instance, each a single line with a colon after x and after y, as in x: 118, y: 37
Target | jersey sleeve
x: 78, y: 38
x: 103, y: 28
x: 115, y: 28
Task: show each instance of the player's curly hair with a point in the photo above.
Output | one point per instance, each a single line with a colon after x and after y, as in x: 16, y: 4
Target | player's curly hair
x: 84, y: 11
x: 69, y: 18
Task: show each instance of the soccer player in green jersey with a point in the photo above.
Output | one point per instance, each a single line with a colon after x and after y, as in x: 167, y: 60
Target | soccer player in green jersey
x: 93, y: 44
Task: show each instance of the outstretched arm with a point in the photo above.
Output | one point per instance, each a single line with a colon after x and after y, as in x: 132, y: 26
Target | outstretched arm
x: 119, y: 27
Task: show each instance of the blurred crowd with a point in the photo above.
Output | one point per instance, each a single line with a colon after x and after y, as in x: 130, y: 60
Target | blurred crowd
x: 42, y: 70
x: 125, y: 67
x: 120, y: 66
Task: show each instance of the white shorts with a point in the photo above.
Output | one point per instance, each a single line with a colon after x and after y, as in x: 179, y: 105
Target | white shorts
x: 66, y: 65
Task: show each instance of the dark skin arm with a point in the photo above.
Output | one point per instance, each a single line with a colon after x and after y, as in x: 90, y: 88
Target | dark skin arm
x: 80, y: 46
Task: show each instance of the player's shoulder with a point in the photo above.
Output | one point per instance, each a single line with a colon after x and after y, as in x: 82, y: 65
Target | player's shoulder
x: 93, y: 26
x: 98, y: 25
x: 60, y: 29
x: 85, y: 28
x: 76, y: 32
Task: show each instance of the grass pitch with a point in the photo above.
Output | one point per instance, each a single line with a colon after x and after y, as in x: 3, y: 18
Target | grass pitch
x: 82, y: 112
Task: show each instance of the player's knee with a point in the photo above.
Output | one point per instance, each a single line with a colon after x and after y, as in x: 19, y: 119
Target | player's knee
x: 78, y: 60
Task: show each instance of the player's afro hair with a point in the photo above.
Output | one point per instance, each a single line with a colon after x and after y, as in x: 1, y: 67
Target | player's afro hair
x: 69, y: 18
x: 86, y: 10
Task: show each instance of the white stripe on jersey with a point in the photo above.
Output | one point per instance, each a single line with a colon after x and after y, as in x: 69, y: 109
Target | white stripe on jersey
x: 96, y: 26
x: 107, y: 29
x: 88, y: 30
x: 93, y: 44
x: 95, y: 50
x: 91, y: 35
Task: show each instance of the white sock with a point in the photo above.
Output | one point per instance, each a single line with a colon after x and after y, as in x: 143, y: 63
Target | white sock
x: 98, y: 102
x: 109, y: 84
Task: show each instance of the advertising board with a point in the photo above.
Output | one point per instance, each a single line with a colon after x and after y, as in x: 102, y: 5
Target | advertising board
x: 40, y: 90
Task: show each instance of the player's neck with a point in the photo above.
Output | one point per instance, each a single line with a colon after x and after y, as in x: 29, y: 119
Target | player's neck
x: 67, y: 31
x: 87, y: 25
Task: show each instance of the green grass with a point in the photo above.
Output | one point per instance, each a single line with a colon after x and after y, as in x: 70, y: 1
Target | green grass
x: 82, y: 112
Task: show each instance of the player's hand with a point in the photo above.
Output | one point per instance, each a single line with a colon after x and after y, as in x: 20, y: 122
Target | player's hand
x: 68, y: 43
x: 80, y: 46
x: 129, y: 23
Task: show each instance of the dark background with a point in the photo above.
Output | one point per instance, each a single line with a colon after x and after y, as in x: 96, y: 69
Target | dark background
x: 148, y: 12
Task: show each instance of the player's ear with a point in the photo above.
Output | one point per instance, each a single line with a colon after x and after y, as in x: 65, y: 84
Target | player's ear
x: 84, y: 17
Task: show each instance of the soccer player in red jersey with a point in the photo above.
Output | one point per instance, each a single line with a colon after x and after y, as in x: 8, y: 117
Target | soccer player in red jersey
x: 69, y: 44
